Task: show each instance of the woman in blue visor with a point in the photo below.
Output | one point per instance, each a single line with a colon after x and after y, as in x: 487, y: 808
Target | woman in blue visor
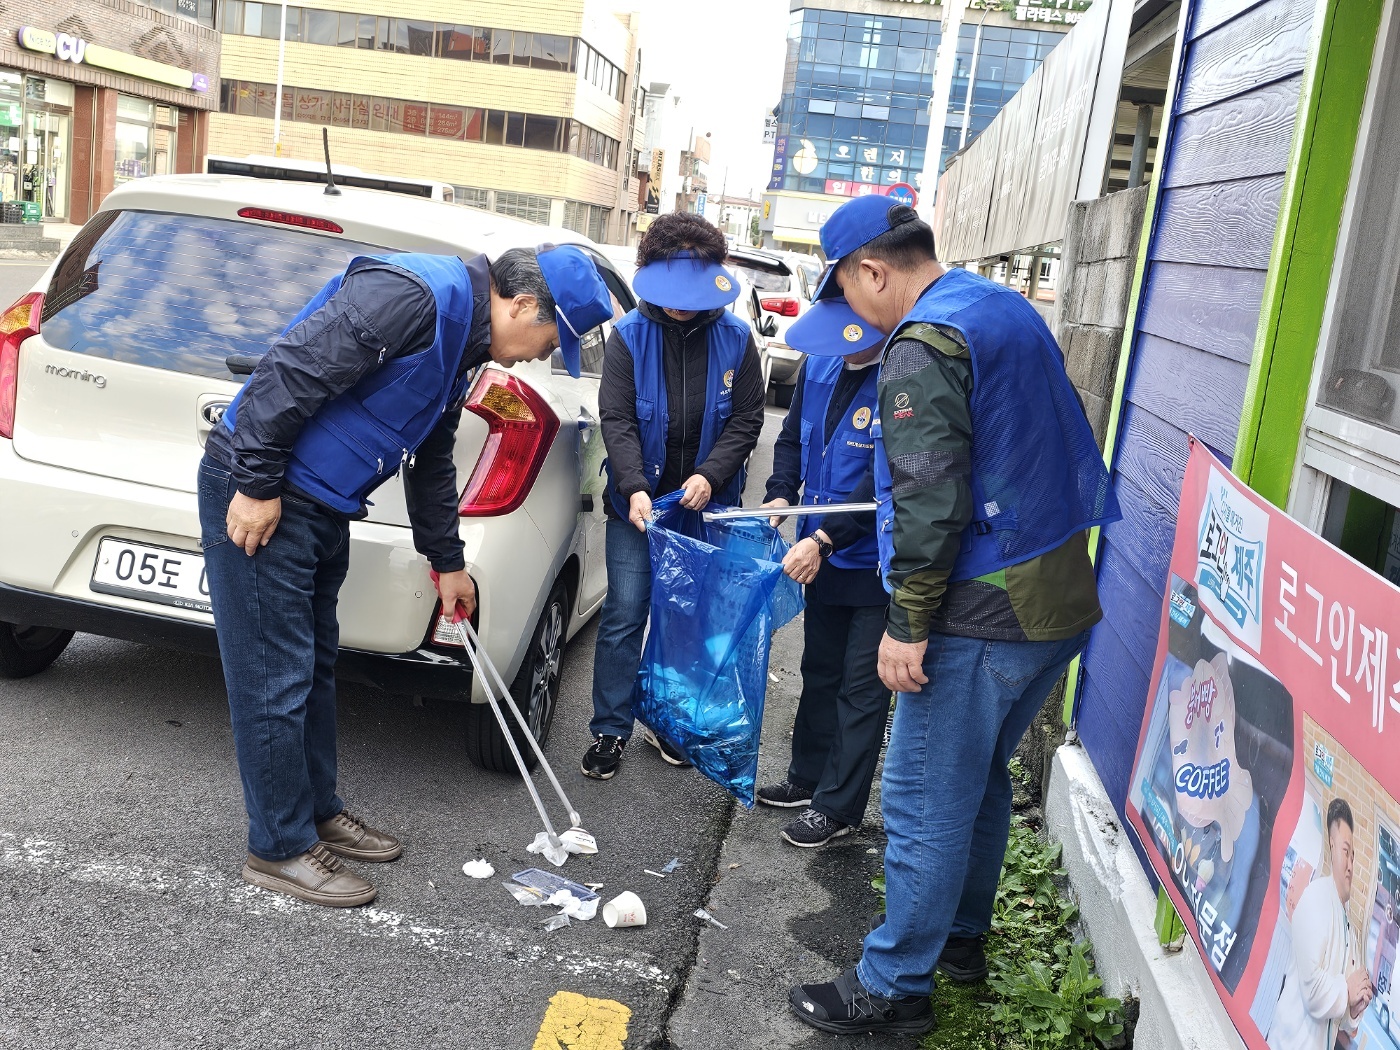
x: 681, y: 403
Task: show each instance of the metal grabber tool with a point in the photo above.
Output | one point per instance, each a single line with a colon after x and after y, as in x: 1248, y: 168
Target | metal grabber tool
x: 491, y: 681
x: 789, y: 512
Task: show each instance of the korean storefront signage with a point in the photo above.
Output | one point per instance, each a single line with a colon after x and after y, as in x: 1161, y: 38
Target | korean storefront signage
x: 779, y: 162
x: 74, y: 49
x: 1265, y: 786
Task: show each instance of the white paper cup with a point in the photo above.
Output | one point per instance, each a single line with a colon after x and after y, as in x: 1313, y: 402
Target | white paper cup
x: 626, y: 909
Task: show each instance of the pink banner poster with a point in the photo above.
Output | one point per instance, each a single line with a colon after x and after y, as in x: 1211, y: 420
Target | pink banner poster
x: 1265, y: 786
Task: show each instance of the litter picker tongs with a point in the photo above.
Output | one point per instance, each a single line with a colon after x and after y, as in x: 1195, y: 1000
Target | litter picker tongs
x: 789, y: 512
x: 491, y: 681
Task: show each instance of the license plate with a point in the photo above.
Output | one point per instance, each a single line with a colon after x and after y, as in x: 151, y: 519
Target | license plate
x: 152, y: 574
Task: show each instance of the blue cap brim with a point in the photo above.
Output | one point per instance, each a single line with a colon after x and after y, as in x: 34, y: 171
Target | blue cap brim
x: 683, y: 283
x: 827, y: 288
x: 581, y: 299
x: 831, y: 328
x: 570, y: 349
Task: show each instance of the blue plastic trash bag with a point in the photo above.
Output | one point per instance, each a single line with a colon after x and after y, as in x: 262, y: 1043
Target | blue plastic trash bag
x: 718, y: 592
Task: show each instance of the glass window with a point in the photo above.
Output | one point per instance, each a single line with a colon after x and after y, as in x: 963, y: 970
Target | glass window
x: 551, y: 52
x: 365, y: 40
x: 313, y: 106
x: 575, y: 130
x: 821, y: 105
x: 500, y: 47
x: 379, y: 113
x: 252, y: 20
x: 243, y: 101
x: 184, y: 292
x: 457, y: 42
x: 830, y: 31
x: 322, y: 27
x: 294, y: 16
x: 384, y: 35
x: 421, y: 36
x: 348, y: 30
x: 341, y: 107
x: 496, y: 127
x: 359, y: 114
x: 542, y: 133
x: 876, y: 112
x: 415, y: 118
x: 232, y: 21
x: 520, y: 52
x: 515, y: 129
x: 447, y: 122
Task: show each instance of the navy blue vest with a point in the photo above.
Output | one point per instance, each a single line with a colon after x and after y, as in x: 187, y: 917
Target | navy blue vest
x: 728, y: 339
x: 1038, y: 477
x: 831, y: 470
x: 355, y: 442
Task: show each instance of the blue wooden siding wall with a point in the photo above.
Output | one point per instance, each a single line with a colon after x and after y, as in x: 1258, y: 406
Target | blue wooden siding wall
x: 1228, y: 147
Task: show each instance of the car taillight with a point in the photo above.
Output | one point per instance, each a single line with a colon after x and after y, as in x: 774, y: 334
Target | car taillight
x: 17, y: 324
x: 287, y: 218
x: 522, y: 429
x: 781, y: 307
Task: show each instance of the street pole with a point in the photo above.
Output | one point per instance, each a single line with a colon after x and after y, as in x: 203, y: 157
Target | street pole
x: 277, y: 102
x: 723, y: 189
x: 938, y: 108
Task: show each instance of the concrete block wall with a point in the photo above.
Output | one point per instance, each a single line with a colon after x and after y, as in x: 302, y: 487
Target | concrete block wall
x: 1099, y: 257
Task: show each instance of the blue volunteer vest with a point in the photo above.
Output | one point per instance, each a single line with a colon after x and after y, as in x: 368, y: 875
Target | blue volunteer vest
x: 1038, y: 477
x: 831, y: 470
x: 728, y: 339
x: 357, y: 441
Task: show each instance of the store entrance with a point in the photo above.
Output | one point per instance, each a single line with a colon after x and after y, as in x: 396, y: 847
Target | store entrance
x: 44, y: 178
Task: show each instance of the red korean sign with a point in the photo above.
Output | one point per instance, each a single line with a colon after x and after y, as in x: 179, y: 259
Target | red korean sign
x: 1266, y: 778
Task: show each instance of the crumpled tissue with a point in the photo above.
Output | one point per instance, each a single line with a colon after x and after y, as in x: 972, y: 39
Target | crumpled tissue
x: 554, y: 852
x: 478, y: 869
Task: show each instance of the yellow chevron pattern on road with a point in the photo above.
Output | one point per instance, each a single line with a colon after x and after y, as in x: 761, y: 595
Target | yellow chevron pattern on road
x: 576, y: 1022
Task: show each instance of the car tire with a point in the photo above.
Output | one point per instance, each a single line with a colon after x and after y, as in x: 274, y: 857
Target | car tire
x: 26, y: 651
x: 535, y: 690
x: 782, y: 394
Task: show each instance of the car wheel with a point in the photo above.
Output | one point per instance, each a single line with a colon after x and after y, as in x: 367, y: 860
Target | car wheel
x: 782, y: 394
x: 28, y: 650
x: 535, y: 690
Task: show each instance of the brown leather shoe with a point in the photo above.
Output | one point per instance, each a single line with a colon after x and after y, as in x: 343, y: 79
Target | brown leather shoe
x: 316, y: 876
x: 351, y: 838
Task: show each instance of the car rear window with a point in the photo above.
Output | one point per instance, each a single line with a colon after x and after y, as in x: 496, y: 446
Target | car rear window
x: 761, y: 278
x: 184, y: 292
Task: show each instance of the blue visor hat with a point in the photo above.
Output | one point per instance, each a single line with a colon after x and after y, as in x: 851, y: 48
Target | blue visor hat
x: 581, y: 299
x: 855, y: 223
x: 831, y: 328
x: 684, y: 282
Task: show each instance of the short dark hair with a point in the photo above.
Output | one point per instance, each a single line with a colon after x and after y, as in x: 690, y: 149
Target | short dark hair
x: 516, y: 271
x: 1339, y: 811
x: 681, y: 231
x: 906, y: 245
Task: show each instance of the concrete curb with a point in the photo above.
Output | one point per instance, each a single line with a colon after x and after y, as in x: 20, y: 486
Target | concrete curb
x: 1180, y: 1009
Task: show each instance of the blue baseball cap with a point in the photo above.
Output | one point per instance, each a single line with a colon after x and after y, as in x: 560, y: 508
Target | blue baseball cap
x: 684, y: 282
x: 855, y: 223
x: 831, y: 328
x: 581, y: 299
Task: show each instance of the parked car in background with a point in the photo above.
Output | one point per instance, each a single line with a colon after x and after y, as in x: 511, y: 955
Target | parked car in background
x: 779, y: 296
x: 116, y: 366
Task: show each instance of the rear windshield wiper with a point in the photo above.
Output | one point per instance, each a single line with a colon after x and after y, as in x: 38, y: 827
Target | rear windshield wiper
x: 242, y: 364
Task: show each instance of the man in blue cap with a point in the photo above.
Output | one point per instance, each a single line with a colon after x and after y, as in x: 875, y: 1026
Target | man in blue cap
x: 367, y: 380
x: 824, y: 455
x: 987, y: 479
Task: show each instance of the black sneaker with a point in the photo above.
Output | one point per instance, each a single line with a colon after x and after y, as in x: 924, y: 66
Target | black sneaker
x: 672, y: 755
x: 786, y: 795
x: 844, y: 1006
x: 964, y: 959
x: 814, y: 829
x: 600, y: 761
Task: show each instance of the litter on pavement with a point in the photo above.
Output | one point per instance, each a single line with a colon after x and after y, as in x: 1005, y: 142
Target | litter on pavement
x: 478, y: 869
x: 701, y: 913
x: 557, y: 922
x: 626, y: 909
x: 658, y: 874
x: 546, y: 884
x: 672, y: 865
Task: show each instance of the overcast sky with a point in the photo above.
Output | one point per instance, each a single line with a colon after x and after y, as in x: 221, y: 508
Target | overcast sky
x: 725, y: 59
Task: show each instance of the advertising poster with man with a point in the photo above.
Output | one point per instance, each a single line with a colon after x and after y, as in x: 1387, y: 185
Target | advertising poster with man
x: 1265, y: 786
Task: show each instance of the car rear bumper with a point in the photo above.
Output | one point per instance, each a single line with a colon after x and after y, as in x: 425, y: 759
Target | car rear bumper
x: 785, y: 363
x: 440, y: 673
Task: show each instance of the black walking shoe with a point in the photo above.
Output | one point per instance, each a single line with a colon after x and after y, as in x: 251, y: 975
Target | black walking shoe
x: 844, y: 1006
x: 964, y: 959
x: 672, y: 755
x: 814, y: 829
x: 786, y: 795
x: 600, y: 761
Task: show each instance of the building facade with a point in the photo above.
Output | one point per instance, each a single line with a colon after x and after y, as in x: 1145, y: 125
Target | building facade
x: 854, y: 116
x: 530, y: 111
x: 96, y: 92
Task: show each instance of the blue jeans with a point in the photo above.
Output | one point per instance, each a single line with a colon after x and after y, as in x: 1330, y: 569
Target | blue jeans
x: 621, y: 627
x: 945, y: 843
x: 278, y: 636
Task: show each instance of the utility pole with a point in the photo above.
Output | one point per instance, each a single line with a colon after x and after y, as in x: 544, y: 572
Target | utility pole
x: 943, y: 65
x: 277, y: 102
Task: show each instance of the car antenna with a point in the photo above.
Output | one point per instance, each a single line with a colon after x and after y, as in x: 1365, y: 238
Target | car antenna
x: 332, y: 190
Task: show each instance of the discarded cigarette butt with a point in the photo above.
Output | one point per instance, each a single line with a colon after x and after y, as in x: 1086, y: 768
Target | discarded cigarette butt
x: 733, y: 866
x: 656, y: 873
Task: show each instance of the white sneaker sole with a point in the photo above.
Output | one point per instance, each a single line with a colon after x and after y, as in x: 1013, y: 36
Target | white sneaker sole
x: 652, y: 739
x: 842, y: 833
x: 801, y: 803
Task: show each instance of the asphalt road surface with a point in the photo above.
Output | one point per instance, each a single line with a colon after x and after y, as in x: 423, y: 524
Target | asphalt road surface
x: 125, y: 922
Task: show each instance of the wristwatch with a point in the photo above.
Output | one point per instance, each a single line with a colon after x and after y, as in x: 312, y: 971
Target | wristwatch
x: 824, y: 548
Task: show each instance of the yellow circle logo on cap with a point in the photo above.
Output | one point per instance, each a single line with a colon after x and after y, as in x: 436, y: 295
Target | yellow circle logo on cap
x: 729, y: 378
x: 722, y: 283
x: 853, y: 332
x: 861, y: 419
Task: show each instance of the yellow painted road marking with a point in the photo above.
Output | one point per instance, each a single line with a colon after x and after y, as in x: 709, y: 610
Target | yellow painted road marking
x: 575, y: 1022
